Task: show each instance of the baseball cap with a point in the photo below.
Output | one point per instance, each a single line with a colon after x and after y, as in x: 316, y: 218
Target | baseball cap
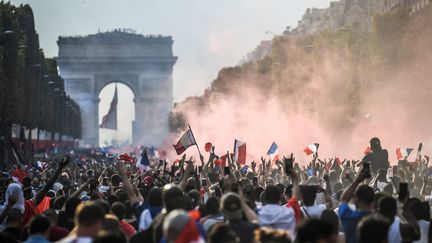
x: 231, y: 206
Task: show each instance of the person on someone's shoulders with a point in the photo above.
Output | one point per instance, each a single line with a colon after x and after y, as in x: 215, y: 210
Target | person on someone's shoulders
x: 378, y: 157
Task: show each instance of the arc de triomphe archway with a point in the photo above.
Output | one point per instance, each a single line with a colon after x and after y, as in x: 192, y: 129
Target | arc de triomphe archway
x: 144, y: 63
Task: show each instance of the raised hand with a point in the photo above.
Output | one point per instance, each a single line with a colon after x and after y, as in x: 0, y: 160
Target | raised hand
x: 64, y: 162
x: 253, y: 165
x: 121, y: 167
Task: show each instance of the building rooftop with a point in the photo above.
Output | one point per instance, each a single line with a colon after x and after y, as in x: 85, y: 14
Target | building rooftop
x: 115, y: 36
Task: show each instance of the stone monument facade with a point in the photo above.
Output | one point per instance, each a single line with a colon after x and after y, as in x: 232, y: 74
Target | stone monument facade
x: 144, y: 63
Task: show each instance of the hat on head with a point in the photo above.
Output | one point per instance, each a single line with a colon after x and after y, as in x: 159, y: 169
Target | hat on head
x: 231, y: 206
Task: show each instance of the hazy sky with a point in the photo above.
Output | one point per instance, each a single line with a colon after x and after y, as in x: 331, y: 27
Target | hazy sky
x: 208, y: 35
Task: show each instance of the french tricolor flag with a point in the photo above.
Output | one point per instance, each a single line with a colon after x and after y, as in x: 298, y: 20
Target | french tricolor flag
x: 273, y: 152
x: 311, y: 149
x: 240, y: 152
x: 402, y: 153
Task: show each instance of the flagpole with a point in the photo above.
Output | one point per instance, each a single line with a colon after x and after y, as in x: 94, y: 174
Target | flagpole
x: 196, y: 143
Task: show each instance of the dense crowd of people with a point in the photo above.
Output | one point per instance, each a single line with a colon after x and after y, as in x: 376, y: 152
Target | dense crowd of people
x: 96, y: 199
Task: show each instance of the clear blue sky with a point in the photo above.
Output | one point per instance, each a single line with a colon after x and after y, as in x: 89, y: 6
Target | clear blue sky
x: 208, y: 35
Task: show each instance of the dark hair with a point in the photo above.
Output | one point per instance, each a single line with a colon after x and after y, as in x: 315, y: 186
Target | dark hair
x: 212, y: 205
x: 70, y: 206
x: 419, y: 209
x: 109, y: 237
x: 88, y: 214
x: 221, y: 232
x: 365, y: 194
x: 155, y: 197
x: 39, y: 225
x: 121, y: 195
x: 172, y: 198
x: 372, y: 229
x: 14, y: 215
x: 272, y: 194
x: 308, y: 194
x: 387, y: 207
x: 288, y: 190
x: 118, y: 209
x: 330, y: 216
x: 311, y: 230
x: 195, y: 197
x: 375, y: 144
x: 258, y: 191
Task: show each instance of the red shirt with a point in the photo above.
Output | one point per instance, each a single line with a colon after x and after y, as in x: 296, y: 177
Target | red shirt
x: 126, y: 228
x: 293, y: 203
x: 30, y: 210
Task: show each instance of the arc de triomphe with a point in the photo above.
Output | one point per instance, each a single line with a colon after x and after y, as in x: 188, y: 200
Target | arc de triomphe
x: 144, y: 63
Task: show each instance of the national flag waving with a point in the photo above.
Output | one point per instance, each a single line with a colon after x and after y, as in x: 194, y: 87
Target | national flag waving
x: 273, y: 152
x: 144, y: 162
x: 185, y: 142
x: 240, y: 152
x: 109, y: 121
x: 402, y: 153
x: 311, y: 149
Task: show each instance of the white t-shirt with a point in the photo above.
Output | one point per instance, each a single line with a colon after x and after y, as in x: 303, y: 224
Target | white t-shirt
x: 394, y: 235
x: 424, y: 231
x: 314, y: 211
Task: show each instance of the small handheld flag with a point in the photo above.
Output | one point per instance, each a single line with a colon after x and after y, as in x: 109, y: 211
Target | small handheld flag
x: 311, y: 149
x: 185, y: 142
x: 144, y: 158
x: 240, y: 152
x: 367, y: 151
x: 402, y: 153
x: 273, y: 152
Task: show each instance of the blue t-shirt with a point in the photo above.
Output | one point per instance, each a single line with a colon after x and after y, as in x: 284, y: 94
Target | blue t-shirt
x: 350, y: 219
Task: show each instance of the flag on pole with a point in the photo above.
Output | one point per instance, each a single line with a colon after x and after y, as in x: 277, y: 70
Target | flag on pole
x: 240, y: 152
x: 311, y: 149
x: 185, y: 142
x: 144, y: 162
x: 109, y: 121
x: 402, y: 153
x: 273, y: 152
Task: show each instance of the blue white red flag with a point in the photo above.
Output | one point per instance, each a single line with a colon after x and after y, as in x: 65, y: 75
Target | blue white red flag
x: 240, y: 152
x: 273, y: 152
x: 403, y: 153
x: 311, y: 149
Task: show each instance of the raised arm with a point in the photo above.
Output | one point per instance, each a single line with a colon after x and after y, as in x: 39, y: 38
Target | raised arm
x: 41, y: 193
x: 349, y: 192
x: 183, y: 182
x: 126, y: 183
